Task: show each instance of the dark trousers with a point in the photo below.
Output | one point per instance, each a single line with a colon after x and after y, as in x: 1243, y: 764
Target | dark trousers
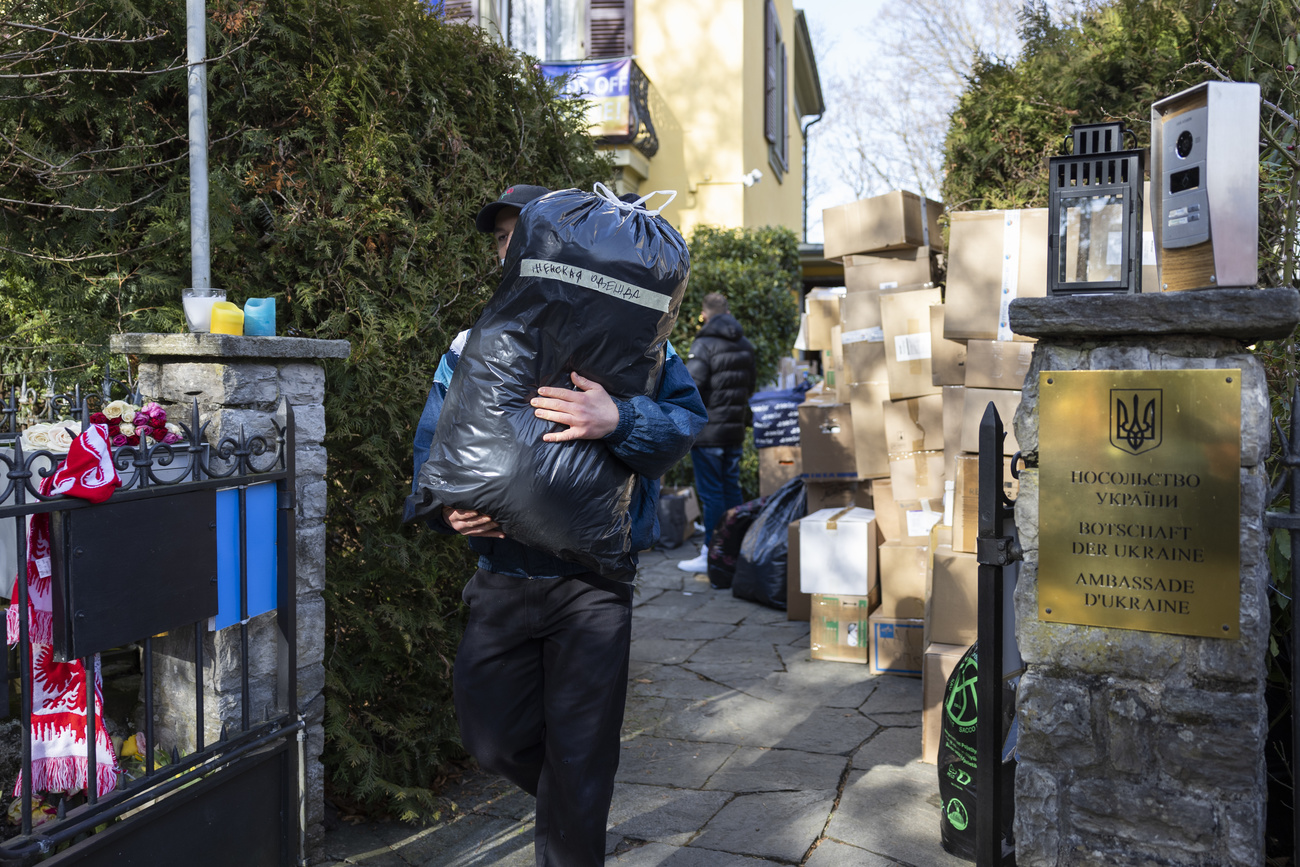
x: 540, y: 685
x: 717, y: 482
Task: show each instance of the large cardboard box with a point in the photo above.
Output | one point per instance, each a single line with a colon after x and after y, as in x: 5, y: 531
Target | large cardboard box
x: 952, y: 605
x: 822, y: 307
x: 864, y: 356
x: 938, y: 665
x: 994, y: 257
x: 914, y: 424
x: 897, y: 645
x: 870, y: 448
x: 835, y: 494
x: 887, y: 514
x: 954, y: 406
x: 859, y: 309
x: 917, y: 476
x: 948, y: 361
x: 975, y: 404
x: 893, y: 221
x: 916, y: 518
x: 838, y: 627
x: 778, y: 465
x: 997, y: 363
x: 966, y: 499
x: 889, y: 270
x: 826, y: 441
x: 837, y: 552
x: 798, y: 604
x: 902, y: 570
x: 905, y: 320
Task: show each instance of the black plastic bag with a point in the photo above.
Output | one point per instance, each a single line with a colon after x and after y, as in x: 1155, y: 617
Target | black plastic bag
x: 591, y: 285
x: 760, y: 569
x: 724, y: 546
x: 958, y: 755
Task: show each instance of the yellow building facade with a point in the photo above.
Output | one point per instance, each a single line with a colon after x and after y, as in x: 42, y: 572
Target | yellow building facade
x: 721, y: 93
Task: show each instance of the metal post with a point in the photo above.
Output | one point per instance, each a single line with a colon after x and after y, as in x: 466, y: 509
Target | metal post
x: 196, y: 57
x: 994, y: 551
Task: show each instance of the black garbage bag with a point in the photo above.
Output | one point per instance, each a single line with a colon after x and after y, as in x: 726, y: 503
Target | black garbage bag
x: 958, y: 755
x: 724, y: 546
x: 760, y: 568
x: 592, y: 285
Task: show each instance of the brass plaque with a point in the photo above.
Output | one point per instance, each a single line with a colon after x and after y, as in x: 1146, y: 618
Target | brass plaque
x: 1139, y: 499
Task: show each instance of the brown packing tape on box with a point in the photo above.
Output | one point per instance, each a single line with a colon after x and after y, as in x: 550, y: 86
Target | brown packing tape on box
x: 887, y: 517
x: 994, y: 257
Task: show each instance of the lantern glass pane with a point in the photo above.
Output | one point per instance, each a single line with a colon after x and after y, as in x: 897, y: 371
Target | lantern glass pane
x: 1092, y: 239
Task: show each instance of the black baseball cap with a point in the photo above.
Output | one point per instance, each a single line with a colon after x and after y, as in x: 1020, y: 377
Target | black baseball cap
x: 514, y: 197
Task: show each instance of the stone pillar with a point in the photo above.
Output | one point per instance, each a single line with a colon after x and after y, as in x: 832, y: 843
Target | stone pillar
x: 239, y: 383
x: 1141, y: 747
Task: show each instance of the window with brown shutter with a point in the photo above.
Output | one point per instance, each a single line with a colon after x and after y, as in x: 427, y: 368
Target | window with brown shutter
x: 461, y: 11
x: 771, y: 41
x: 782, y: 146
x: 609, y: 28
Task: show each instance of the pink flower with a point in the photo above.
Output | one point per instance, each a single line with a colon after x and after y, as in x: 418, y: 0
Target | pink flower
x: 171, y: 438
x: 118, y: 440
x: 150, y: 408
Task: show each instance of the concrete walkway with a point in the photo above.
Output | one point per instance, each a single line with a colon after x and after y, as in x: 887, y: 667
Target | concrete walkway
x: 739, y: 750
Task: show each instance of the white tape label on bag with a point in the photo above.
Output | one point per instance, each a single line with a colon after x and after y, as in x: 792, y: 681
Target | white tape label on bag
x: 596, y: 282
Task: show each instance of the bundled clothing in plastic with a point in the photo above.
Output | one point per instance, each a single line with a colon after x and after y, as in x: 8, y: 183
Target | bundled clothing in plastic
x: 591, y: 285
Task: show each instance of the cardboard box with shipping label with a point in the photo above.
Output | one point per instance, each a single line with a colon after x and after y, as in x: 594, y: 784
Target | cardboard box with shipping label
x: 889, y: 270
x: 952, y: 611
x: 838, y: 627
x: 948, y: 364
x: 975, y: 403
x: 905, y: 320
x: 914, y: 424
x: 892, y: 221
x: 916, y: 519
x: 997, y: 363
x: 778, y: 465
x: 966, y: 499
x: 864, y: 356
x: 994, y: 257
x: 939, y: 663
x: 902, y: 569
x: 870, y: 447
x: 826, y: 441
x: 897, y: 645
x: 837, y: 552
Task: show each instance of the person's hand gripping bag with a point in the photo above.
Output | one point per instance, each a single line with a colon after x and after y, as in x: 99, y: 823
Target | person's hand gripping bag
x: 591, y: 284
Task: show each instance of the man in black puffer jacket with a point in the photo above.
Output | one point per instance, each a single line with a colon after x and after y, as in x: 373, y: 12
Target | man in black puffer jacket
x: 722, y: 364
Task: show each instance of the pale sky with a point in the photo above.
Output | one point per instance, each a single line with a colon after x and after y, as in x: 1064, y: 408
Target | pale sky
x: 839, y: 31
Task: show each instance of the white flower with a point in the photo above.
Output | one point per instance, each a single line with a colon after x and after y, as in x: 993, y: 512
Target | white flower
x: 128, y: 414
x: 51, y: 436
x: 115, y: 408
x: 37, y: 437
x: 127, y: 430
x: 61, y: 437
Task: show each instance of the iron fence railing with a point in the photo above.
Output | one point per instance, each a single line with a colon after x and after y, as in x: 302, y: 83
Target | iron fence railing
x: 201, y: 514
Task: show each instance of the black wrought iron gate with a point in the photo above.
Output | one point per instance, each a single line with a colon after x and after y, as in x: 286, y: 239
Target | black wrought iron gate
x: 198, y: 540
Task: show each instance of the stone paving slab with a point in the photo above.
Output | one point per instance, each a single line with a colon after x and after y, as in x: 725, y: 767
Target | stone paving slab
x: 887, y: 810
x: 672, y: 604
x: 731, y: 651
x: 669, y: 651
x: 683, y: 630
x: 899, y: 746
x: 670, y: 762
x: 660, y: 855
x: 832, y: 853
x: 671, y: 681
x: 661, y: 814
x: 786, y: 632
x: 751, y: 769
x: 777, y: 825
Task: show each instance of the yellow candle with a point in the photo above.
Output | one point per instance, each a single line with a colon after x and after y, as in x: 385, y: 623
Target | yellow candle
x: 227, y: 318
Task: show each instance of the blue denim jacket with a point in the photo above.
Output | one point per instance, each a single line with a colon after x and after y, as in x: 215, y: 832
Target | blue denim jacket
x: 652, y: 435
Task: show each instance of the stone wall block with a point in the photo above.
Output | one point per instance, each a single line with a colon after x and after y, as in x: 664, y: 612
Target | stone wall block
x: 1254, y: 501
x: 1116, y: 817
x: 1244, y: 821
x: 1037, y: 819
x: 229, y: 423
x: 310, y: 461
x: 310, y: 423
x: 1120, y: 357
x: 244, y: 384
x: 311, y: 500
x: 311, y: 629
x: 1209, y: 756
x: 1129, y: 717
x: 302, y: 383
x: 311, y: 684
x: 1056, y: 720
x: 311, y: 556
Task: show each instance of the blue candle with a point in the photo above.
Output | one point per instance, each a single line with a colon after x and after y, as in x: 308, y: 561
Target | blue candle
x: 259, y: 317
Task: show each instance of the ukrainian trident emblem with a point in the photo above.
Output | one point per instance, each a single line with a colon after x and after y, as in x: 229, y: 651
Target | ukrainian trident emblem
x: 1135, y: 419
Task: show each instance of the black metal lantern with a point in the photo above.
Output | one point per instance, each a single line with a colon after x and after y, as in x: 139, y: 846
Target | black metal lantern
x: 1095, y: 216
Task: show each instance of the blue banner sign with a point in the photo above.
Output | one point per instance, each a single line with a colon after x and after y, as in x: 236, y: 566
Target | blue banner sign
x: 605, y: 85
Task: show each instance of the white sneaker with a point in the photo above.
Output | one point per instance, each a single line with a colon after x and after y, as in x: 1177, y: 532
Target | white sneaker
x: 699, y: 564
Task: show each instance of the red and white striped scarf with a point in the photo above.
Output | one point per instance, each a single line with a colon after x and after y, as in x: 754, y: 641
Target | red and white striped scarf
x: 59, y: 688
